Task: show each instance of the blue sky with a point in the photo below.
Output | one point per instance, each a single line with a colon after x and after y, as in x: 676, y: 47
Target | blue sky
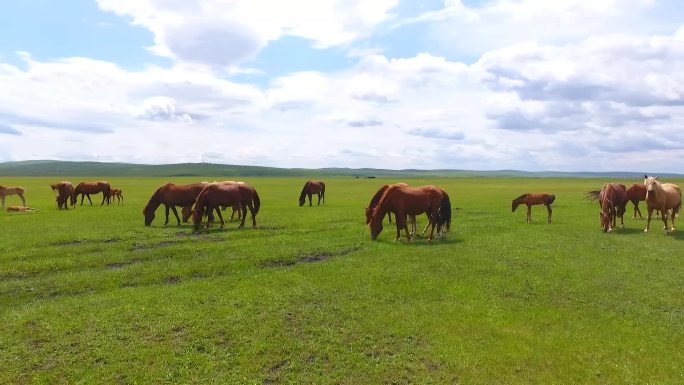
x: 527, y: 84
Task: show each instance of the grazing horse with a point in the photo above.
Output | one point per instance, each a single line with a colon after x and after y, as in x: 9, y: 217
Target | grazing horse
x: 86, y: 188
x: 376, y: 198
x: 18, y: 191
x: 613, y: 202
x: 116, y: 193
x: 405, y: 201
x: 663, y: 197
x: 225, y: 194
x: 532, y: 199
x: 172, y: 195
x: 635, y: 194
x: 64, y: 191
x: 310, y: 188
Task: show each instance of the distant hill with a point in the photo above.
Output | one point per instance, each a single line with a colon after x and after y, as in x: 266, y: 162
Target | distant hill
x: 57, y: 168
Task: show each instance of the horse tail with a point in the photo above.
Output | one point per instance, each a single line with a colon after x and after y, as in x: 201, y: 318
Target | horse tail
x: 323, y: 191
x: 444, y: 217
x: 257, y: 201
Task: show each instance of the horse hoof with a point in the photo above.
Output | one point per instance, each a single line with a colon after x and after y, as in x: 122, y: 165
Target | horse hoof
x: 610, y: 230
x: 645, y: 230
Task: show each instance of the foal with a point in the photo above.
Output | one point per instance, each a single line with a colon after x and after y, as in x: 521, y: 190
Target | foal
x: 5, y: 191
x: 533, y: 199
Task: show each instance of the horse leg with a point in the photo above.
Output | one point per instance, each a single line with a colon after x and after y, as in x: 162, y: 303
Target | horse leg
x: 175, y: 212
x: 433, y: 222
x: 529, y: 214
x: 648, y: 221
x: 389, y: 215
x: 3, y: 200
x: 251, y: 211
x: 167, y: 214
x: 218, y: 211
x: 310, y: 195
x: 23, y: 201
x: 428, y: 224
x: 243, y: 208
x: 319, y: 199
x: 401, y: 223
x: 89, y: 200
x: 664, y: 218
x: 548, y: 208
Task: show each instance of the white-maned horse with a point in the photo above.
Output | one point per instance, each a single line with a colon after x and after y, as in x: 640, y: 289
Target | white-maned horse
x: 666, y: 197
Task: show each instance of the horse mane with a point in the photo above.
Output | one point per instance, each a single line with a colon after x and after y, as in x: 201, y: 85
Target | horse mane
x: 304, y: 189
x: 383, y: 198
x: 154, y: 198
x: 521, y: 197
x: 376, y: 198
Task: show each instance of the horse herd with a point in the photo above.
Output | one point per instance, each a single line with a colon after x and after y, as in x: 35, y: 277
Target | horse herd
x: 663, y: 198
x: 204, y: 199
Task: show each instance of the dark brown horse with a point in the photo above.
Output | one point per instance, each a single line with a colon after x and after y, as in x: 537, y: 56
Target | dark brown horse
x: 636, y: 193
x: 86, y: 188
x: 64, y: 191
x: 310, y: 188
x: 221, y: 194
x: 172, y: 195
x: 613, y: 203
x: 532, y: 199
x: 403, y: 201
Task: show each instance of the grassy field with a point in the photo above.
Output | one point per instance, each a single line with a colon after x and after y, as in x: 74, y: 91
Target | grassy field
x: 92, y: 296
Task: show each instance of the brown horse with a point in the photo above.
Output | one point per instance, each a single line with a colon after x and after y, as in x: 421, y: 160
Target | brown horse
x: 115, y: 193
x: 403, y: 201
x: 613, y: 202
x: 223, y: 194
x: 532, y: 199
x: 376, y: 198
x: 86, y: 188
x: 64, y: 191
x: 5, y: 191
x: 310, y: 188
x: 172, y: 195
x: 635, y: 194
x: 663, y: 197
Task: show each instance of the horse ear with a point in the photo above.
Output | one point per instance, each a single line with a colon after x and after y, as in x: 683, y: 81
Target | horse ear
x: 645, y: 176
x: 656, y: 178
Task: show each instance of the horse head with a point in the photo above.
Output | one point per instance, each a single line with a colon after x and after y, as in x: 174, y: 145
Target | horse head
x: 149, y: 216
x: 514, y: 205
x: 375, y: 224
x: 652, y: 185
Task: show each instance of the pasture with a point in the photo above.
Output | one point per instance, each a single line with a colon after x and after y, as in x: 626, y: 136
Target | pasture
x: 93, y: 296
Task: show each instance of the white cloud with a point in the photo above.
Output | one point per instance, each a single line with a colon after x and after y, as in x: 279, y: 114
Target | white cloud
x: 220, y: 33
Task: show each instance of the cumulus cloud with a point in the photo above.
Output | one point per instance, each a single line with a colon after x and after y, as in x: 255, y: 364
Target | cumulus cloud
x: 220, y: 33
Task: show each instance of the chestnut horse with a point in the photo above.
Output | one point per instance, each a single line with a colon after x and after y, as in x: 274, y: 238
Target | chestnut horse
x: 310, y: 188
x: 5, y: 191
x: 116, y: 193
x: 532, y: 199
x: 172, y: 195
x: 613, y: 203
x: 403, y: 201
x: 87, y: 188
x: 225, y: 194
x: 663, y: 197
x: 635, y: 194
x: 64, y: 191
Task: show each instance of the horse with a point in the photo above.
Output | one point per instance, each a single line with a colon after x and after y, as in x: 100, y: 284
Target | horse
x: 18, y: 191
x: 376, y: 198
x: 532, y: 199
x: 613, y: 203
x: 116, y: 193
x: 310, y: 188
x: 172, y: 195
x: 405, y: 201
x: 64, y: 191
x: 663, y: 197
x: 225, y: 194
x: 635, y: 194
x: 86, y: 188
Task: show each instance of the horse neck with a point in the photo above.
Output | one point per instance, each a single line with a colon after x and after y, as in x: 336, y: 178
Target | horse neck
x: 385, y: 203
x: 304, y: 190
x: 376, y: 198
x: 153, y: 203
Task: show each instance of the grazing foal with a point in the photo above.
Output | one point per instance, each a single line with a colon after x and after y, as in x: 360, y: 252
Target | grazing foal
x: 533, y: 199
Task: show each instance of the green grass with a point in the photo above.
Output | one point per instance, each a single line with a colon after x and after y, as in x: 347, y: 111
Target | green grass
x: 93, y: 296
